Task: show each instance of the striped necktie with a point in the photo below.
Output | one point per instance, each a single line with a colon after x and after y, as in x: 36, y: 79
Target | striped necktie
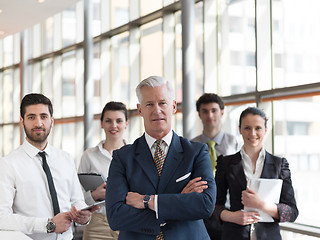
x: 159, y: 158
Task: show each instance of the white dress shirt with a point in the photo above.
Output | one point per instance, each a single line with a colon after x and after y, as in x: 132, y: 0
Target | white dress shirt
x: 165, y: 148
x: 247, y: 164
x: 95, y: 160
x: 25, y: 200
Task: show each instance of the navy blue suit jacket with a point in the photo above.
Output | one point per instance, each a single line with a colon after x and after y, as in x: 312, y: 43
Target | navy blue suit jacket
x: 132, y: 169
x: 230, y: 176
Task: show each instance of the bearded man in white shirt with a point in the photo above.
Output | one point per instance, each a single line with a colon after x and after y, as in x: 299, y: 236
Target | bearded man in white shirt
x: 29, y: 201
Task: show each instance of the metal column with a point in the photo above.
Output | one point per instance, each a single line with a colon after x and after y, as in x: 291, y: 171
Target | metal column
x: 188, y: 67
x: 88, y: 77
x: 24, y: 83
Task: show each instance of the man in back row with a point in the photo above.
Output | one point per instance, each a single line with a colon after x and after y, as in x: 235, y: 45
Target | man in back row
x: 210, y: 109
x: 39, y: 187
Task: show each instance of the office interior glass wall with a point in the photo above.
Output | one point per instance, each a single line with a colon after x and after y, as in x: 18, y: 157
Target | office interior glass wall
x: 252, y: 53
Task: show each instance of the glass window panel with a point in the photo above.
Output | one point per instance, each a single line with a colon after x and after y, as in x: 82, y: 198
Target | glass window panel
x: 57, y: 86
x: 79, y: 140
x: 1, y: 99
x: 237, y: 47
x: 47, y: 33
x: 168, y: 2
x: 7, y: 96
x: 148, y: 6
x: 296, y: 236
x: 57, y: 36
x: 151, y: 49
x: 16, y: 48
x: 36, y: 77
x: 96, y: 71
x: 8, y: 139
x: 79, y: 11
x: 136, y: 128
x: 79, y: 76
x: 69, y: 28
x: 98, y: 132
x: 119, y: 12
x: 297, y: 138
x: 68, y: 140
x: 177, y: 125
x: 55, y: 138
x: 8, y: 50
x: 68, y: 85
x: 178, y: 62
x: 1, y: 52
x: 16, y: 136
x: 96, y: 27
x: 16, y: 96
x: 36, y: 40
x: 120, y: 68
x: 199, y: 48
x: 47, y: 77
x: 296, y: 37
x: 1, y: 141
x: 30, y: 42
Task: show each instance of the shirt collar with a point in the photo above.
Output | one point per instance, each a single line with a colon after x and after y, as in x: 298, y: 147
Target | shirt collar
x: 217, y: 138
x: 32, y: 151
x: 102, y: 149
x: 150, y: 140
x: 247, y: 165
x: 262, y: 153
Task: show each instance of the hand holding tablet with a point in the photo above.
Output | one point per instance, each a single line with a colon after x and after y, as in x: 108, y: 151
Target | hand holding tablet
x: 93, y: 205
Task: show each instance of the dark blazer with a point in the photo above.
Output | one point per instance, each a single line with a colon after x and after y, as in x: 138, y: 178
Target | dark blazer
x: 230, y: 176
x: 132, y: 169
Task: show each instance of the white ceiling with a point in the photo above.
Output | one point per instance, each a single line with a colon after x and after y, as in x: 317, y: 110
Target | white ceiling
x: 18, y: 15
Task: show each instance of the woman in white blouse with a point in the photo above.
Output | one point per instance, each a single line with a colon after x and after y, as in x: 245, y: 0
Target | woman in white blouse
x: 233, y: 174
x: 114, y: 120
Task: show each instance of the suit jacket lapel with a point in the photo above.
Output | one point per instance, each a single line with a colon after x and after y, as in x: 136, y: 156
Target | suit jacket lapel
x: 173, y: 159
x: 145, y: 160
x: 269, y: 168
x: 237, y: 170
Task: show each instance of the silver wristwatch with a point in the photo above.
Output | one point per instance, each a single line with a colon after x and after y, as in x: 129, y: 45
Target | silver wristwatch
x: 146, y: 200
x: 51, y: 226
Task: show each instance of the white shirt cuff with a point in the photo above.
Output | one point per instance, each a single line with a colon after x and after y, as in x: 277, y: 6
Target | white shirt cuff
x: 40, y: 225
x: 156, y: 205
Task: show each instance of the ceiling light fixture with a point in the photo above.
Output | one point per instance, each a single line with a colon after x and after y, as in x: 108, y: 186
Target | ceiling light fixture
x: 41, y: 1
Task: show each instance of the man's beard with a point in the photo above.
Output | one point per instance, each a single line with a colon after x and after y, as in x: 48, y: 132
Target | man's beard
x: 37, y: 137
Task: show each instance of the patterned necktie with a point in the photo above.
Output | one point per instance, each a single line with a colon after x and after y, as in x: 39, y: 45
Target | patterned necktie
x: 159, y: 158
x: 52, y: 189
x: 213, y: 155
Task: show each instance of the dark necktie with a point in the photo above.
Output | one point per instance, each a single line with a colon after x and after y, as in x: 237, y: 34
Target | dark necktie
x: 52, y: 189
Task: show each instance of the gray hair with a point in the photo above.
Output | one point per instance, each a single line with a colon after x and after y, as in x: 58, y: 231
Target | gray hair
x: 154, y: 81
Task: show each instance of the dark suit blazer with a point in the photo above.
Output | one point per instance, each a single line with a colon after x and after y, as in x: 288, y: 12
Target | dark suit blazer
x: 132, y: 169
x: 230, y: 176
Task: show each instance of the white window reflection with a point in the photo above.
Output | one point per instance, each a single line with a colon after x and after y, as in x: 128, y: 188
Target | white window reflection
x: 297, y: 138
x: 237, y: 46
x: 296, y: 37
